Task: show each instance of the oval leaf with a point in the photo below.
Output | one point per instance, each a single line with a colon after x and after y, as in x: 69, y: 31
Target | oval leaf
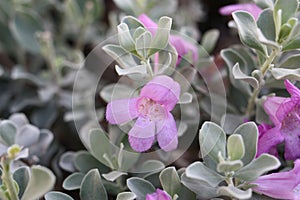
x: 140, y: 187
x: 92, y: 187
x: 57, y: 196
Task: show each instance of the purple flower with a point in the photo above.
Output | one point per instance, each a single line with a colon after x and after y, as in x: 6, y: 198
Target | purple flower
x: 281, y: 185
x: 262, y: 129
x: 182, y: 47
x: 158, y: 195
x: 285, y: 114
x: 249, y: 7
x: 152, y: 110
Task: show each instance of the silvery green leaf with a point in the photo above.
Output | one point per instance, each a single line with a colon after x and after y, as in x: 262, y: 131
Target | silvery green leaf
x: 19, y: 119
x: 126, y: 159
x: 138, y: 32
x: 66, y: 161
x: 126, y: 196
x: 202, y: 189
x: 239, y: 75
x: 22, y: 176
x: 84, y: 162
x: 265, y: 3
x: 19, y: 74
x: 258, y: 167
x: 120, y: 55
x: 284, y: 31
x: 117, y: 91
x: 41, y: 181
x: 24, y: 27
x: 170, y: 181
x: 229, y: 166
x: 113, y: 175
x: 132, y: 22
x: 292, y: 62
x: 292, y: 45
x: 185, y: 98
x: 73, y: 181
x: 266, y: 24
x: 8, y: 131
x: 249, y: 132
x: 106, y: 147
x: 57, y: 196
x: 234, y: 192
x: 125, y: 38
x: 142, y: 44
x: 199, y: 171
x: 248, y: 30
x: 232, y: 57
x: 161, y: 38
x: 140, y: 187
x: 235, y: 147
x: 280, y: 74
x: 212, y: 140
x: 150, y: 167
x: 27, y: 135
x: 92, y: 187
x: 138, y: 69
x: 288, y: 9
x: 230, y: 122
x: 261, y: 116
x: 210, y: 39
x: 126, y: 5
x: 167, y: 59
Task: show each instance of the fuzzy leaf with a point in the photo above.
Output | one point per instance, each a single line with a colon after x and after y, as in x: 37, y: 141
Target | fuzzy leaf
x: 8, y: 131
x: 113, y: 175
x: 199, y: 171
x: 126, y: 196
x: 140, y: 187
x: 248, y: 30
x: 239, y: 75
x: 235, y: 147
x: 41, y: 181
x: 210, y: 39
x: 57, y: 196
x: 234, y: 192
x: 125, y: 38
x: 249, y: 132
x: 170, y: 181
x: 161, y: 38
x: 212, y: 140
x: 291, y: 74
x: 258, y: 167
x: 92, y: 187
x: 73, y: 181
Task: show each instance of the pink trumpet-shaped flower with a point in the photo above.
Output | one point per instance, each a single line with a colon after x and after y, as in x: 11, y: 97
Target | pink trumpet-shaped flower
x: 182, y: 47
x: 285, y: 114
x: 158, y: 195
x: 249, y: 7
x: 152, y: 110
x: 281, y: 185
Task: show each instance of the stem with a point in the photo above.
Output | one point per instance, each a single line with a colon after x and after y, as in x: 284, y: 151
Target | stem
x: 264, y: 69
x: 7, y: 178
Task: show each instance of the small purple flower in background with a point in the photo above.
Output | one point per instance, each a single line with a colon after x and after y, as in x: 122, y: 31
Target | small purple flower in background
x: 249, y: 7
x: 158, y: 195
x: 281, y: 185
x: 285, y: 114
x: 152, y: 110
x: 182, y: 47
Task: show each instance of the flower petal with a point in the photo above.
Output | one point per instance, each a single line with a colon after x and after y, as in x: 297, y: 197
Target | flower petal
x: 149, y: 24
x: 158, y: 195
x: 286, y: 181
x: 249, y: 7
x: 121, y: 111
x: 284, y: 109
x: 269, y: 140
x: 163, y: 90
x: 167, y: 137
x: 183, y: 47
x: 292, y: 89
x: 292, y: 147
x: 141, y: 136
x: 271, y: 106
